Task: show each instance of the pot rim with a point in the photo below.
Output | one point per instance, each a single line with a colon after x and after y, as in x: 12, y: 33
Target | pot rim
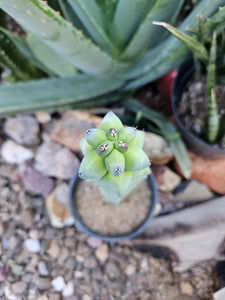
x: 185, y: 72
x: 112, y: 238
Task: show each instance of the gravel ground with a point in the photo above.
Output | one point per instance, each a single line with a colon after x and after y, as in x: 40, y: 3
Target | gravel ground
x: 41, y: 262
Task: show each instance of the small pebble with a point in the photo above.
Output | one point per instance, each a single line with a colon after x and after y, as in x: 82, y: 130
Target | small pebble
x: 42, y: 269
x: 32, y: 245
x: 86, y: 297
x: 102, y: 253
x: 58, y: 284
x: 130, y: 270
x: 68, y: 289
x: 94, y: 242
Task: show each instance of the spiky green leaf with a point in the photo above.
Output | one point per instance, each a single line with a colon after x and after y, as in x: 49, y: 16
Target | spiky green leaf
x: 110, y: 121
x: 52, y: 29
x: 147, y: 36
x: 52, y: 93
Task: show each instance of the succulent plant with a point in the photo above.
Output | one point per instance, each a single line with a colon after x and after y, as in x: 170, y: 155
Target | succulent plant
x: 207, y: 46
x: 113, y: 158
x: 89, y: 49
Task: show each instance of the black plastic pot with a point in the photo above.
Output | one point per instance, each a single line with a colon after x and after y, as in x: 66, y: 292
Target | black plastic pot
x: 193, y: 142
x: 74, y: 182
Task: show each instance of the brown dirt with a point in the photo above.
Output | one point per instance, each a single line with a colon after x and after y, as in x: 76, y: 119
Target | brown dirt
x: 112, y: 219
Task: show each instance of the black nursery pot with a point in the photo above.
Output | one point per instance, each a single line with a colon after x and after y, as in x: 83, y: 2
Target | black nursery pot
x: 193, y: 142
x: 75, y: 181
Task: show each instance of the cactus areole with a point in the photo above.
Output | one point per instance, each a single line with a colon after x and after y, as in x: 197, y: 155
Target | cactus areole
x: 113, y: 158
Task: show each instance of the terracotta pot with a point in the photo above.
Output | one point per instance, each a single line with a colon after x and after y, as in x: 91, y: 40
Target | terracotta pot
x: 74, y: 183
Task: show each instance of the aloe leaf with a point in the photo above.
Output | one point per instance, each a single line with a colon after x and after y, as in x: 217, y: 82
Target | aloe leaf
x: 37, y: 17
x: 91, y: 16
x: 126, y: 20
x: 172, y: 52
x: 110, y: 121
x: 194, y: 46
x: 92, y: 166
x: 52, y: 93
x: 53, y: 63
x: 167, y: 130
x: 147, y: 36
x: 70, y: 15
x: 13, y: 58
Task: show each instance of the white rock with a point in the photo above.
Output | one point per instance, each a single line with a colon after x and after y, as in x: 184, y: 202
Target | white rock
x: 102, y: 253
x: 8, y: 294
x: 13, y: 153
x: 68, y: 289
x: 86, y: 297
x: 58, y: 284
x: 32, y: 245
x: 43, y: 117
x: 219, y: 295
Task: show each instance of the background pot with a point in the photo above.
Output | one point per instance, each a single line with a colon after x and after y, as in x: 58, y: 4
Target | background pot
x: 194, y: 143
x: 111, y: 238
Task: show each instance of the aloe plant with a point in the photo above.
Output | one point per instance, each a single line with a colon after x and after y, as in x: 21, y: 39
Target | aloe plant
x: 207, y: 47
x: 93, y: 52
x: 113, y: 158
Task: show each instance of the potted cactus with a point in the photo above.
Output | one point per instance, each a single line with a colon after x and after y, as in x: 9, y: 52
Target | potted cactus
x: 114, y: 168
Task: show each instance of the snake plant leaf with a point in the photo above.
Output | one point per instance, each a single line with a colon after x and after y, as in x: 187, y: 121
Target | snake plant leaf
x: 95, y: 137
x: 109, y: 121
x: 91, y: 16
x: 92, y: 166
x: 147, y: 36
x: 136, y: 159
x: 115, y: 163
x: 114, y: 189
x: 127, y: 134
x: 53, y: 63
x: 212, y: 119
x: 194, y: 46
x: 84, y: 146
x: 11, y: 57
x: 51, y: 93
x: 37, y: 17
x: 126, y: 20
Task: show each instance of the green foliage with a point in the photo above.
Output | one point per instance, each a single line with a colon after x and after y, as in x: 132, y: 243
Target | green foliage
x: 96, y: 51
x: 207, y: 46
x: 114, y: 163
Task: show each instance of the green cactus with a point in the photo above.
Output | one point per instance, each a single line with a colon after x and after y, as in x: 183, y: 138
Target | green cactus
x: 113, y: 158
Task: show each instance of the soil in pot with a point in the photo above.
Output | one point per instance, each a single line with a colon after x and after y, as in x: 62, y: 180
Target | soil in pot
x: 109, y: 219
x: 192, y: 106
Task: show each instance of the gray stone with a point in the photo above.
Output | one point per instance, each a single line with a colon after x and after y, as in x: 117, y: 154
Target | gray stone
x: 43, y: 283
x: 23, y: 129
x: 3, y: 274
x: 35, y: 182
x: 19, y: 287
x: 42, y: 269
x: 17, y: 269
x: 194, y: 192
x: 54, y: 160
x: 13, y: 153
